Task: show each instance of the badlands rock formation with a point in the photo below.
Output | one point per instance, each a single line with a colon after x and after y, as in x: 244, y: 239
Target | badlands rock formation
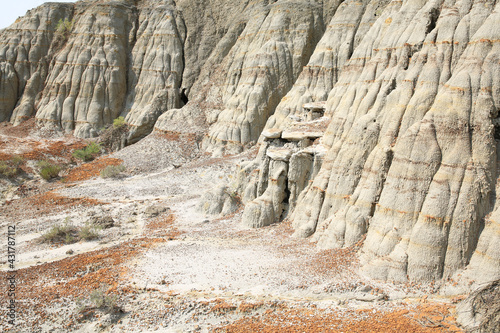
x: 377, y: 120
x: 411, y: 160
x: 129, y: 58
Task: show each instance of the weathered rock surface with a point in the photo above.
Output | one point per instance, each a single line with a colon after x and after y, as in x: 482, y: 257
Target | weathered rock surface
x: 25, y: 51
x: 104, y: 222
x: 286, y: 162
x: 87, y: 80
x: 222, y: 200
x: 157, y: 64
x: 137, y: 59
x: 262, y: 66
x: 480, y: 312
x: 377, y: 120
x: 412, y: 156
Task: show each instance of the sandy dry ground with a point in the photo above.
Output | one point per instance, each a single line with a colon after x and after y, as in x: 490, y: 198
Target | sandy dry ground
x: 165, y: 267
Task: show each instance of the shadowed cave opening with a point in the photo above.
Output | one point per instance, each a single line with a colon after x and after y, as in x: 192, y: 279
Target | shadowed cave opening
x: 433, y: 17
x: 286, y: 203
x: 496, y: 131
x: 183, y: 97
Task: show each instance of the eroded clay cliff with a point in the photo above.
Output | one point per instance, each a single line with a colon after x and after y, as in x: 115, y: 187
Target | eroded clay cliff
x: 377, y: 121
x: 411, y: 160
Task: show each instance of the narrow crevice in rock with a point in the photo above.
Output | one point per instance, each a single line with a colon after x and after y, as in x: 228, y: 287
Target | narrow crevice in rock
x: 433, y: 17
x: 132, y: 42
x: 183, y: 97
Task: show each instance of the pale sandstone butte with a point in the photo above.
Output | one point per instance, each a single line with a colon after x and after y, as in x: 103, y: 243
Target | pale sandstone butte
x: 128, y: 58
x: 24, y: 61
x: 412, y: 156
x: 262, y: 66
x: 87, y: 83
x: 156, y: 67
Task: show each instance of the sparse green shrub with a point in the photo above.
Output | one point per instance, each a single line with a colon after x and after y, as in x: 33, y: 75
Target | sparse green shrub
x: 7, y: 170
x: 112, y: 171
x: 10, y: 168
x: 68, y: 233
x: 88, y: 153
x: 64, y: 27
x: 232, y: 193
x: 88, y: 233
x: 16, y: 161
x: 61, y: 35
x: 114, y: 137
x: 119, y: 122
x: 98, y: 300
x: 48, y: 170
x: 65, y: 233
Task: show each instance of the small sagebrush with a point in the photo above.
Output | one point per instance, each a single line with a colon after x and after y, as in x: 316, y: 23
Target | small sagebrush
x: 11, y: 167
x: 112, y: 171
x: 7, y: 171
x: 88, y: 153
x: 88, y: 233
x: 66, y: 233
x: 16, y: 161
x: 48, y: 170
x: 98, y: 300
x: 119, y: 122
x: 64, y: 27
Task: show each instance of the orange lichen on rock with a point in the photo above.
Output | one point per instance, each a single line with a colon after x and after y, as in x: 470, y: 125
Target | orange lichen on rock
x: 45, y: 203
x: 54, y: 149
x: 221, y: 306
x: 20, y: 131
x: 436, y: 315
x: 332, y: 261
x: 75, y: 276
x: 424, y: 319
x: 162, y: 226
x: 169, y: 135
x: 49, y: 201
x: 5, y: 157
x: 186, y: 138
x: 92, y: 169
x: 245, y: 307
x: 18, y: 143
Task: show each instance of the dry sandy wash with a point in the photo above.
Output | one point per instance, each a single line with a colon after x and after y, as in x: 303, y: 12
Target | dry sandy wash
x: 164, y: 266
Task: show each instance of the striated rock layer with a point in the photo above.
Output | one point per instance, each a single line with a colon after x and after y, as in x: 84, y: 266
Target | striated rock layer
x: 378, y: 121
x: 136, y: 59
x: 411, y: 162
x: 25, y: 52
